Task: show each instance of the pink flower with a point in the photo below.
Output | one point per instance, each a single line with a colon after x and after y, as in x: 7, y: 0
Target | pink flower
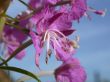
x: 38, y: 46
x: 75, y: 9
x: 53, y: 29
x: 11, y: 39
x: 12, y: 47
x: 70, y: 71
x: 79, y: 7
x: 38, y: 3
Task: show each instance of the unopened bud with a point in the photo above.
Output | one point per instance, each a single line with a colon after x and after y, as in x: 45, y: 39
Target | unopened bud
x: 74, y: 44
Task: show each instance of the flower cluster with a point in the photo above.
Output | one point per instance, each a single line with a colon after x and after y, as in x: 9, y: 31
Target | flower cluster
x: 70, y: 71
x: 11, y: 38
x: 51, y: 26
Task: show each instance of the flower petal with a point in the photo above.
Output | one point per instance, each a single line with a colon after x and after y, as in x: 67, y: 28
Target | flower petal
x: 37, y: 44
x: 70, y: 71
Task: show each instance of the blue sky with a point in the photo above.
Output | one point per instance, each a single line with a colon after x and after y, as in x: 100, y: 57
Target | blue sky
x: 94, y: 51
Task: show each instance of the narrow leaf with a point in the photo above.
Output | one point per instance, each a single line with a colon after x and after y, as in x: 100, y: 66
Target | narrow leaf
x: 19, y: 70
x: 6, y: 64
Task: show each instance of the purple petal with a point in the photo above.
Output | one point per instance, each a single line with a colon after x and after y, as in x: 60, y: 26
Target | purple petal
x: 19, y: 35
x: 12, y: 48
x: 70, y: 71
x: 62, y: 53
x: 37, y: 44
x: 53, y: 1
x: 78, y: 9
x: 63, y: 24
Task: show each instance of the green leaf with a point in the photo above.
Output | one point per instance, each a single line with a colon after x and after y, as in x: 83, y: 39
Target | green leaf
x: 3, y: 61
x: 6, y: 64
x: 19, y: 70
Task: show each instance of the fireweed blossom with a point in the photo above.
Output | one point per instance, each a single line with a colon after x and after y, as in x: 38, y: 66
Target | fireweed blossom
x: 54, y: 25
x: 70, y: 71
x: 11, y: 38
x: 53, y: 29
x: 76, y: 9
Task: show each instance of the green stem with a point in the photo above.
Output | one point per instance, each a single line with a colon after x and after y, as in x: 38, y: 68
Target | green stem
x: 14, y: 19
x: 62, y: 3
x: 24, y: 3
x: 5, y: 64
x: 2, y: 23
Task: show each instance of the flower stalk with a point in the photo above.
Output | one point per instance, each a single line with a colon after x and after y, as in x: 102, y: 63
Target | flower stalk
x: 40, y: 74
x: 24, y: 3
